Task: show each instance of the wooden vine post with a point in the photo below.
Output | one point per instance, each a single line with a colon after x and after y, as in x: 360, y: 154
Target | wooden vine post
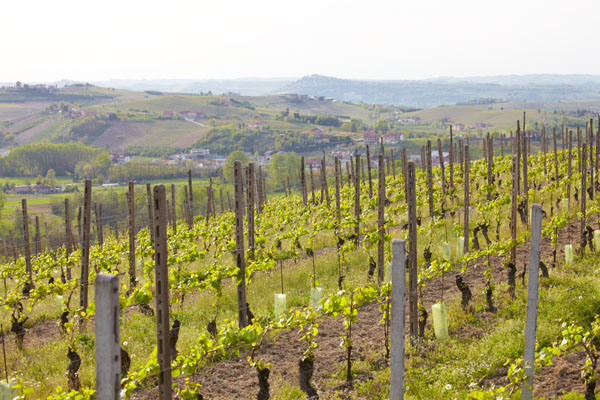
x: 173, y: 209
x: 68, y: 236
x: 303, y: 182
x: 598, y: 148
x: 239, y: 248
x: 186, y: 207
x: 517, y: 145
x: 28, y: 268
x: 357, y: 198
x: 369, y: 172
x: 312, y: 183
x: 131, y: 200
x: 412, y: 252
x: 261, y: 190
x: 393, y: 161
x: 532, y: 301
x: 79, y: 228
x: 490, y: 164
x: 405, y: 172
x: 429, y: 177
x: 591, y: 146
x: 85, y: 244
x: 466, y: 233
x: 555, y: 156
x: 544, y: 150
x: 451, y: 161
x: 151, y: 212
x: 513, y: 209
x: 250, y: 212
x: 161, y: 278
x: 525, y: 153
x: 569, y: 165
x: 324, y: 188
x: 381, y: 221
x: 442, y: 169
x: 191, y: 198
x: 338, y: 171
x: 38, y: 237
x: 583, y: 196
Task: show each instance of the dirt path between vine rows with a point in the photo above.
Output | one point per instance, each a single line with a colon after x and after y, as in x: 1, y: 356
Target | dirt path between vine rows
x: 235, y: 379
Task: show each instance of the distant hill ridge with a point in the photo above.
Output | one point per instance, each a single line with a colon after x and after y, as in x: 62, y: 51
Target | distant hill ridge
x: 416, y: 93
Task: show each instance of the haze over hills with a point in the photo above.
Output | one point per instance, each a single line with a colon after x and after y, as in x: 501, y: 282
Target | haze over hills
x: 414, y: 93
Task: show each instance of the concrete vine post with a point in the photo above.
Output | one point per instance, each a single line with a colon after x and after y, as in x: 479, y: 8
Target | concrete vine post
x: 161, y: 278
x: 532, y: 301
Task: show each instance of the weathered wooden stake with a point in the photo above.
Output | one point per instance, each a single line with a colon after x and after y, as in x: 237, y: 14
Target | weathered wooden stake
x: 303, y: 182
x: 131, y: 203
x: 451, y: 161
x: 239, y: 250
x: 338, y: 170
x: 191, y: 198
x: 173, y: 209
x: 151, y: 212
x: 312, y: 183
x: 324, y: 185
x: 429, y: 177
x: 26, y: 244
x: 555, y: 155
x: 357, y: 198
x: 38, y: 237
x: 525, y: 153
x: 466, y: 231
x: 583, y: 195
x: 442, y: 169
x: 250, y: 212
x: 412, y: 252
x: 393, y: 164
x: 85, y: 244
x: 369, y: 172
x: 381, y: 221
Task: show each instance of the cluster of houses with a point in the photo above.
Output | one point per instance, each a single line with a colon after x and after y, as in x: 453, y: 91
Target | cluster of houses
x: 463, y: 127
x: 186, y: 114
x: 37, y: 188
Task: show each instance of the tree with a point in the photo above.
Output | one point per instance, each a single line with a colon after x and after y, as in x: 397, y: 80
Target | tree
x: 284, y: 166
x: 101, y: 164
x: 381, y: 126
x: 50, y: 178
x: 237, y: 155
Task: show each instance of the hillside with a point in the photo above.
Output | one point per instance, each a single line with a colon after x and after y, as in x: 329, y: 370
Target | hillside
x: 119, y: 119
x: 437, y: 92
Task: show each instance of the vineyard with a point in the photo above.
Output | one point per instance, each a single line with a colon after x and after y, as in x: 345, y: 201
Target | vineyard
x: 290, y: 297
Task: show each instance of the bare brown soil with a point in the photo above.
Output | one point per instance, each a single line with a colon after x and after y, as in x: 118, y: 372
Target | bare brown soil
x: 236, y: 379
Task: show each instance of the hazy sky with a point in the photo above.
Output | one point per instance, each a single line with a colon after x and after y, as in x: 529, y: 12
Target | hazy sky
x: 96, y: 40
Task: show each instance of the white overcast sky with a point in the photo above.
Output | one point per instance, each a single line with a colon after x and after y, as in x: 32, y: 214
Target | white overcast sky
x: 375, y: 39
